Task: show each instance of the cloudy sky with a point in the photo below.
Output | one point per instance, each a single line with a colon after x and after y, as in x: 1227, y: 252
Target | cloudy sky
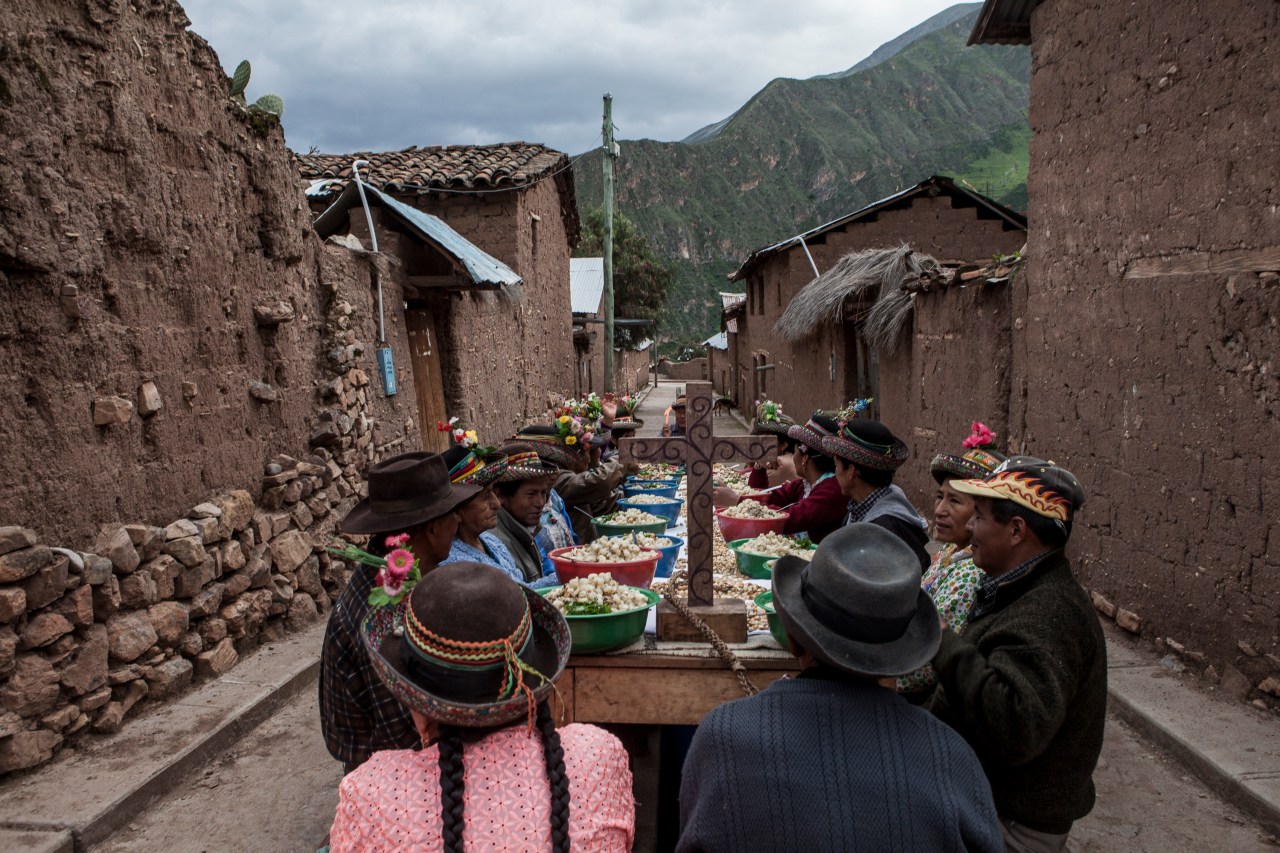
x: 387, y: 74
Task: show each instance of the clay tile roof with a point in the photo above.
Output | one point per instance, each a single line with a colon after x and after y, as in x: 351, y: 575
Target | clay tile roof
x: 458, y: 167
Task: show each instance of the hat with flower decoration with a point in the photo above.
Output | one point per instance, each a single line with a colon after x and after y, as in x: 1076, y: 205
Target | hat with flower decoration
x: 770, y: 419
x: 469, y: 462
x: 550, y: 442
x: 469, y: 647
x: 979, y: 459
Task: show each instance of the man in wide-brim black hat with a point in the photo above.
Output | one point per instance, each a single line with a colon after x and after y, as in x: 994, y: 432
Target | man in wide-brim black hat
x: 821, y: 761
x: 409, y: 494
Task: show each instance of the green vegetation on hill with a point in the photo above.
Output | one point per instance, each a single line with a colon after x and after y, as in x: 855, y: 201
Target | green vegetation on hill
x: 804, y: 152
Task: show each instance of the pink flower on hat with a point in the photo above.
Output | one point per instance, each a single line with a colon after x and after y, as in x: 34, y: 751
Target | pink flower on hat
x: 982, y: 436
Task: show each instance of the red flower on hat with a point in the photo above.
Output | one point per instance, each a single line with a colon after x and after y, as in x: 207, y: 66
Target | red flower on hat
x: 982, y: 436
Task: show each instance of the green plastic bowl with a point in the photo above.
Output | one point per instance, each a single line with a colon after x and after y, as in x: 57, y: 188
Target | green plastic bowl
x: 604, y: 528
x: 765, y: 602
x: 752, y: 565
x: 608, y: 631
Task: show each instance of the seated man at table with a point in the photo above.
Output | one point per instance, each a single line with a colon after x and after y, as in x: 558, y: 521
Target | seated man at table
x: 855, y: 766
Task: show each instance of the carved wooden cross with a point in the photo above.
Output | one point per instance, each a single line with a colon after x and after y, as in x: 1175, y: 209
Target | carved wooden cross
x: 697, y: 450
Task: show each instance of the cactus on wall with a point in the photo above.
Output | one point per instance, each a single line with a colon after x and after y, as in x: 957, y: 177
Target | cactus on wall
x: 269, y: 103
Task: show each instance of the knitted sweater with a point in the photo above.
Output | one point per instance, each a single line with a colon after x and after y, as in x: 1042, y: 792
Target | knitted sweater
x: 828, y: 763
x: 1027, y: 687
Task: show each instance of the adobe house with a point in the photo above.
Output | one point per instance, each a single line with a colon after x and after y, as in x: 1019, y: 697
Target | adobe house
x: 492, y: 348
x: 630, y: 363
x: 733, y: 307
x: 825, y: 363
x: 1144, y: 339
x: 718, y: 363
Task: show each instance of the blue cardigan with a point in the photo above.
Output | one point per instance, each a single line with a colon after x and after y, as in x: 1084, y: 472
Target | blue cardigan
x: 825, y: 763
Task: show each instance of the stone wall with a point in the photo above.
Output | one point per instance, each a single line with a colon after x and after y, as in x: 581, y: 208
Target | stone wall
x: 1153, y: 155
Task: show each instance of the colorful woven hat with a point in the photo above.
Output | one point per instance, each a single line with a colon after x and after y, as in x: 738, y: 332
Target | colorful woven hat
x: 820, y: 425
x: 469, y: 647
x: 524, y: 463
x: 979, y: 459
x: 625, y: 423
x: 472, y: 467
x: 546, y: 441
x: 1042, y: 487
x: 770, y: 420
x: 868, y: 444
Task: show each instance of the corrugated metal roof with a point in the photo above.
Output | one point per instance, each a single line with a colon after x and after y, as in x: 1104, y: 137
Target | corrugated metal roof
x: 944, y: 184
x: 719, y: 340
x: 586, y: 284
x: 480, y: 266
x: 1004, y: 22
x: 644, y: 345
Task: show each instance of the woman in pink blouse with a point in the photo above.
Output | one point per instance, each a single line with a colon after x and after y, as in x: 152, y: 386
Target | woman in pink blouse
x: 473, y: 654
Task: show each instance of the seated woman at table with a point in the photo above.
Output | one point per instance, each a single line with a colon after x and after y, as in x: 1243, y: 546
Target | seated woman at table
x: 770, y: 420
x: 814, y: 500
x: 494, y: 772
x: 952, y: 580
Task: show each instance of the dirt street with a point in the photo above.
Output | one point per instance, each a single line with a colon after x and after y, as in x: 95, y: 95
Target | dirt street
x: 276, y: 791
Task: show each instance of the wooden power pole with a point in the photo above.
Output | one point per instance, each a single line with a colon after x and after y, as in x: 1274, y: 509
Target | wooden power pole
x: 610, y: 152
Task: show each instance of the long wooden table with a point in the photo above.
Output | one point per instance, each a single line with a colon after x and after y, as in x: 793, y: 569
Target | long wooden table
x: 656, y: 689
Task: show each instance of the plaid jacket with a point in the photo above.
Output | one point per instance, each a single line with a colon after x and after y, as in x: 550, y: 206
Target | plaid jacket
x: 358, y: 716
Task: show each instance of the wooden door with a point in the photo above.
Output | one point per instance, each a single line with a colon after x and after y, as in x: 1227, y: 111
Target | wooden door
x: 428, y: 381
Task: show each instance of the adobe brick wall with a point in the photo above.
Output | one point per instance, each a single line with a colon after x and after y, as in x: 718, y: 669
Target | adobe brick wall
x: 683, y: 371
x: 815, y: 373
x: 506, y: 356
x: 135, y: 243
x: 1154, y: 137
x: 954, y: 369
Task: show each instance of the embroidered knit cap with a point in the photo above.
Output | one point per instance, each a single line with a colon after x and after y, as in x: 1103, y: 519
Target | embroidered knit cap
x: 1042, y: 487
x: 820, y: 424
x: 869, y: 444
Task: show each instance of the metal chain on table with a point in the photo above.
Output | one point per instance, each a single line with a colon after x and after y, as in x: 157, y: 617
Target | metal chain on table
x: 726, y: 654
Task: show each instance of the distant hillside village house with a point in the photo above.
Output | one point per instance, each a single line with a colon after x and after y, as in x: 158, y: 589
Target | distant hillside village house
x: 478, y: 240
x: 822, y: 358
x: 630, y: 364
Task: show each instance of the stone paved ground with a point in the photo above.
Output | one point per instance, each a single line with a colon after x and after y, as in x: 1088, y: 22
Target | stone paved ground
x: 276, y: 791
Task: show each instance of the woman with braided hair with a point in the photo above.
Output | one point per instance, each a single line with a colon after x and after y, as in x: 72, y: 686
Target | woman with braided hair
x: 472, y: 654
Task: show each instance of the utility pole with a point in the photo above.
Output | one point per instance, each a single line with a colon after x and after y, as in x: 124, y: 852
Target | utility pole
x: 610, y: 153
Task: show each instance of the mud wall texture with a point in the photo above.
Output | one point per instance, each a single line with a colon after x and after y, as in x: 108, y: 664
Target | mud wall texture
x: 819, y: 372
x: 507, y: 355
x: 694, y: 369
x: 1153, y: 378
x: 953, y: 370
x: 161, y: 302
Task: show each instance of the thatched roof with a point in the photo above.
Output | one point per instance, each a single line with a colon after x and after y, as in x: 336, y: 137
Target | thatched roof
x: 874, y: 274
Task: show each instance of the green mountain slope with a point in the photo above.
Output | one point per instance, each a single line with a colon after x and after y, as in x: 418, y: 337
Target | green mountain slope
x: 803, y: 152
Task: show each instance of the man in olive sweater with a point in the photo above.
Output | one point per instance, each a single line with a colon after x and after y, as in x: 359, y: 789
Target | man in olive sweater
x: 1026, y: 683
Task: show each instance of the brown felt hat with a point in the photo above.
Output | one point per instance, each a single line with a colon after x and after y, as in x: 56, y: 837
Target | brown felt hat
x: 405, y: 491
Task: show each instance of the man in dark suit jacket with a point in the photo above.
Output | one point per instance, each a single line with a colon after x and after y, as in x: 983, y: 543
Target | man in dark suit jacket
x: 834, y: 759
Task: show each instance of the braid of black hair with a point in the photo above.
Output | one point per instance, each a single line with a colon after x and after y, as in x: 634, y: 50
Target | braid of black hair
x: 553, y: 753
x: 451, y: 788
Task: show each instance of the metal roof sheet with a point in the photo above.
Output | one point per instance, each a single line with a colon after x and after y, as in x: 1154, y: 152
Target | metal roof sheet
x: 586, y: 284
x: 480, y: 266
x: 719, y: 340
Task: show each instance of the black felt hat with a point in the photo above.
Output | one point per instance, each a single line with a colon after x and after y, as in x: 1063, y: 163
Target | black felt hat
x: 858, y: 605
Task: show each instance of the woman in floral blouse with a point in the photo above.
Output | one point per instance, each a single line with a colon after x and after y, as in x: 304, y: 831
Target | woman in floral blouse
x: 952, y: 580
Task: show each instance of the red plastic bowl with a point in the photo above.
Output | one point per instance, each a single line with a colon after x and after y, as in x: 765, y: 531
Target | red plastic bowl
x: 748, y: 528
x: 635, y: 573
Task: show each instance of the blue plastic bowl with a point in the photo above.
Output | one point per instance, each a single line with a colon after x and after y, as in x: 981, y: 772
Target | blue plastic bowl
x: 669, y: 511
x: 663, y: 488
x: 668, y: 562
